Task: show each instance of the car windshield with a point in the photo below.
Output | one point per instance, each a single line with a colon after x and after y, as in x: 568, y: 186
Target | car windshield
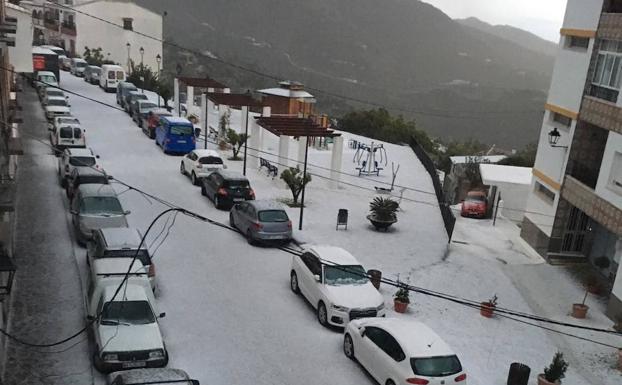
x: 57, y: 102
x: 111, y: 75
x: 181, y: 130
x: 48, y: 79
x: 82, y: 161
x: 476, y: 198
x: 143, y: 255
x: 66, y: 132
x: 93, y: 179
x: 344, y: 275
x: 127, y: 312
x: 68, y: 120
x: 273, y: 216
x: 138, y: 97
x: 54, y: 93
x: 210, y: 160
x: 147, y: 106
x: 436, y: 366
x: 80, y: 64
x: 101, y: 206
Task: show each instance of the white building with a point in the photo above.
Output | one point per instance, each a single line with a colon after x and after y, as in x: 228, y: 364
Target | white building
x: 54, y: 23
x: 574, y: 209
x: 511, y: 184
x: 21, y: 53
x: 119, y: 40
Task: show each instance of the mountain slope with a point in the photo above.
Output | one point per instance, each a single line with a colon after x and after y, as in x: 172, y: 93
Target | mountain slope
x: 521, y: 37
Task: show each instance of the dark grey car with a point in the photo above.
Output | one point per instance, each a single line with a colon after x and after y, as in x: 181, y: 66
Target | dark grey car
x: 261, y: 221
x: 130, y: 98
x: 123, y: 88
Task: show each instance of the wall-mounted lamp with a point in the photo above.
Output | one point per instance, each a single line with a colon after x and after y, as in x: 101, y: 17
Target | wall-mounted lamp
x: 554, y: 136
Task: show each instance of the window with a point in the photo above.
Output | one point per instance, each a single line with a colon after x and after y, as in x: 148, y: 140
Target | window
x: 210, y: 160
x: 608, y: 72
x: 312, y: 263
x: 273, y: 216
x: 66, y: 132
x: 344, y: 275
x: 436, y: 366
x: 615, y: 176
x: 561, y: 119
x: 577, y: 42
x: 385, y: 342
x: 127, y: 23
x: 544, y: 192
x: 127, y: 312
x: 82, y: 161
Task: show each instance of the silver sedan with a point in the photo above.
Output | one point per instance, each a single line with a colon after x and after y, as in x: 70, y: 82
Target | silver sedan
x: 261, y: 221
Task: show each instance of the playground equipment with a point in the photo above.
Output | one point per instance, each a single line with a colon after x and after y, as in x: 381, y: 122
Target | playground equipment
x: 369, y: 158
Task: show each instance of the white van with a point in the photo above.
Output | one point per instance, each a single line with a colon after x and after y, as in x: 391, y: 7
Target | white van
x: 77, y: 66
x: 110, y: 76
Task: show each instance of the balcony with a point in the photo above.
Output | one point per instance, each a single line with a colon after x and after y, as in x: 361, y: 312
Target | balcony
x: 601, y: 113
x: 584, y: 173
x: 68, y: 29
x: 51, y: 24
x: 610, y: 26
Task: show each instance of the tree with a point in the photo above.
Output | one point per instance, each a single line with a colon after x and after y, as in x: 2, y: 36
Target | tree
x: 236, y: 141
x: 95, y: 57
x: 143, y: 77
x: 164, y: 90
x: 523, y: 158
x: 223, y: 124
x: 294, y: 180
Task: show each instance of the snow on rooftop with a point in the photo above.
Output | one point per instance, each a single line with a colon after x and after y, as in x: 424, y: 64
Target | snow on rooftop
x: 477, y: 159
x: 43, y: 51
x: 495, y: 173
x: 286, y: 93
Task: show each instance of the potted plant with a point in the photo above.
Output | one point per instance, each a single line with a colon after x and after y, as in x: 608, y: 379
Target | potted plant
x: 401, y: 299
x: 579, y: 310
x: 555, y: 372
x: 487, y: 308
x: 383, y: 212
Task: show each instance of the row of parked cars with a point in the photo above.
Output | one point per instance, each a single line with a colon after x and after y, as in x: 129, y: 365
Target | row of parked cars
x: 125, y: 323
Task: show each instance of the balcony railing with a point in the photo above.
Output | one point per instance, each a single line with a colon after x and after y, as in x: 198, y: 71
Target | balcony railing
x: 601, y: 113
x: 51, y: 24
x: 68, y: 29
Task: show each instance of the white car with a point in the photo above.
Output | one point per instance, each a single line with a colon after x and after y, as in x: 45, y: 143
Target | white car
x: 399, y: 352
x: 75, y: 157
x: 339, y: 293
x: 67, y: 136
x: 56, y: 106
x: 200, y: 163
x: 51, y: 92
x: 45, y: 79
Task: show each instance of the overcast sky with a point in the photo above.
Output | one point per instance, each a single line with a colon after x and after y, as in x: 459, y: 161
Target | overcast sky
x: 542, y: 17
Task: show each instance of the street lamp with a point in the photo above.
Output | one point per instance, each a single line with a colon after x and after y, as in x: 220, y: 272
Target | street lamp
x: 158, y: 60
x: 7, y: 273
x: 129, y: 69
x: 554, y: 136
x: 142, y: 70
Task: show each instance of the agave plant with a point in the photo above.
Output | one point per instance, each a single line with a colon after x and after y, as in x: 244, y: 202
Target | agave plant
x: 384, y: 209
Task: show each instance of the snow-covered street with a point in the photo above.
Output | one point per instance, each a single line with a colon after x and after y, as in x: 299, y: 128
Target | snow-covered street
x: 231, y: 317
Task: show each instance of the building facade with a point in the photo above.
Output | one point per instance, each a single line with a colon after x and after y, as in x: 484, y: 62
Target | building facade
x: 121, y: 40
x: 54, y: 23
x: 574, y: 209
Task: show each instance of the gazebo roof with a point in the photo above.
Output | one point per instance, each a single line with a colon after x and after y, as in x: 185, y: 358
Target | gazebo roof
x: 201, y: 82
x: 234, y: 100
x: 296, y: 127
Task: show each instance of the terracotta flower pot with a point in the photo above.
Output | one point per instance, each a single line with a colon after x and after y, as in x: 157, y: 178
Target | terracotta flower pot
x: 487, y: 309
x: 579, y: 310
x: 543, y: 381
x: 400, y: 306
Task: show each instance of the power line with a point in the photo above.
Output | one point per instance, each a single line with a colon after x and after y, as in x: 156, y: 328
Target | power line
x: 433, y: 113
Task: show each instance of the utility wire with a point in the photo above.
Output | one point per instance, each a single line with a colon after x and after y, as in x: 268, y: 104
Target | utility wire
x: 433, y: 113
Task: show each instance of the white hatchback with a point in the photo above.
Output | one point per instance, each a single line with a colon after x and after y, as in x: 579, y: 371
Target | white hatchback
x: 400, y: 352
x: 339, y: 290
x: 200, y: 163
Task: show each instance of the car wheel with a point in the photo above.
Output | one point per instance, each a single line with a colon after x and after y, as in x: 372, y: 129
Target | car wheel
x: 293, y: 282
x: 182, y: 168
x: 390, y: 382
x: 231, y: 221
x: 97, y: 361
x: 216, y: 201
x: 203, y: 192
x: 322, y: 314
x: 249, y: 237
x: 348, y: 346
x: 194, y: 179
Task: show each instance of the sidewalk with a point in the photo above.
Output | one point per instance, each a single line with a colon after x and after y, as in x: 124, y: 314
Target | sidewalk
x: 47, y: 302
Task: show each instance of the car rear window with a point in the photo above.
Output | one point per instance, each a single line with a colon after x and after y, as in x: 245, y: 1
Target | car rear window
x: 111, y: 75
x: 54, y: 93
x: 210, y: 160
x: 82, y: 161
x: 93, y: 179
x: 143, y: 255
x: 80, y: 64
x: 236, y: 184
x: 181, y: 130
x: 57, y: 102
x: 436, y: 366
x: 476, y: 198
x: 77, y: 133
x: 273, y: 216
x: 120, y: 75
x: 66, y: 132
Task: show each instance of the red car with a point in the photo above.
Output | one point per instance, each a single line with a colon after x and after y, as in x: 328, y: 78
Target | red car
x: 475, y: 205
x: 151, y: 121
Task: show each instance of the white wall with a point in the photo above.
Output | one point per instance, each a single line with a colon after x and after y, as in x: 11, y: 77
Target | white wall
x: 604, y: 188
x: 514, y: 198
x: 20, y: 56
x: 94, y: 33
x: 582, y: 14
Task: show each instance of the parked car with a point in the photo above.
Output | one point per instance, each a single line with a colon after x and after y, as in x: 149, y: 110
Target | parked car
x: 398, y: 351
x: 77, y: 66
x: 339, y: 290
x: 110, y: 77
x: 475, y: 205
x: 95, y: 207
x: 123, y: 88
x: 91, y: 74
x: 154, y: 375
x: 175, y: 135
x: 121, y: 242
x: 56, y: 106
x: 45, y: 79
x: 261, y: 221
x: 84, y: 175
x: 73, y: 158
x: 67, y: 136
x: 64, y: 63
x: 139, y: 109
x: 62, y: 119
x: 130, y: 98
x: 51, y: 92
x: 151, y: 121
x: 200, y: 163
x: 124, y: 325
x: 226, y: 188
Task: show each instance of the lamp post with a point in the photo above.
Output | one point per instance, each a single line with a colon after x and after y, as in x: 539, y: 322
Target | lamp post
x: 142, y: 70
x: 554, y: 136
x: 158, y: 60
x: 129, y: 69
x: 7, y: 272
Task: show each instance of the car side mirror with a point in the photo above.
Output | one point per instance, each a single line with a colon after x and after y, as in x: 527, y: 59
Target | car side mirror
x: 162, y: 315
x: 110, y: 177
x: 96, y: 156
x: 362, y: 331
x: 127, y: 212
x: 317, y: 278
x: 90, y: 318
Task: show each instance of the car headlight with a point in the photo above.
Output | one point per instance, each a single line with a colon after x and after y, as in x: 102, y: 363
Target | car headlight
x: 111, y: 357
x: 380, y: 307
x: 156, y: 354
x: 340, y: 308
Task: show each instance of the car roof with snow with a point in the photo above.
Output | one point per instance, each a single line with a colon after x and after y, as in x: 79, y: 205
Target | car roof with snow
x: 54, y: 97
x: 202, y: 152
x: 162, y: 111
x: 266, y: 204
x: 416, y: 338
x: 131, y: 291
x: 176, y: 119
x: 127, y: 85
x: 152, y: 374
x: 46, y: 73
x: 231, y: 175
x: 97, y: 190
x: 334, y: 254
x: 117, y: 267
x: 53, y: 89
x: 80, y: 151
x: 121, y: 237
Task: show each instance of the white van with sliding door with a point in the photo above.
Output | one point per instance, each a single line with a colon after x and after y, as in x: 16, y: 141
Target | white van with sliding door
x: 111, y: 75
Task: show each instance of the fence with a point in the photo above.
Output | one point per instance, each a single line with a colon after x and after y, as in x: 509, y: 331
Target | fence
x: 448, y: 216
